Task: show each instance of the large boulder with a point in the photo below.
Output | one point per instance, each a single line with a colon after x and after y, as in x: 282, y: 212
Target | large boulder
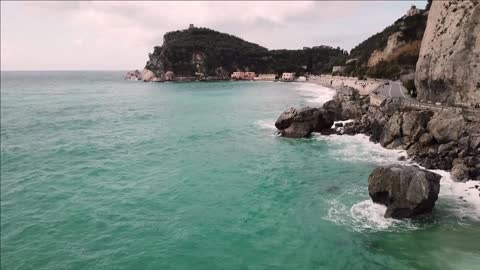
x: 460, y: 172
x: 133, y: 75
x: 413, y: 120
x: 347, y: 105
x: 446, y: 127
x: 169, y: 76
x: 392, y: 130
x: 298, y: 123
x: 407, y: 191
x: 149, y: 76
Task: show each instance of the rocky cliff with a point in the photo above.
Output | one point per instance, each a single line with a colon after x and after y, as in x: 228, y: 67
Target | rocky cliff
x: 445, y: 139
x: 391, y: 52
x: 448, y: 69
x: 203, y: 53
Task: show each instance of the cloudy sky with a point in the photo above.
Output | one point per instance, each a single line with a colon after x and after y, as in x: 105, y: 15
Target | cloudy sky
x: 119, y: 35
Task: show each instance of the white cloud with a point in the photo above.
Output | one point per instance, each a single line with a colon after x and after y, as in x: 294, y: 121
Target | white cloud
x: 119, y: 35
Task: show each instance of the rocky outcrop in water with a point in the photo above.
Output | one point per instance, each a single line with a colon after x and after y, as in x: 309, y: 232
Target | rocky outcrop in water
x: 407, y: 191
x: 299, y: 123
x: 133, y: 75
x: 448, y: 68
x: 145, y: 75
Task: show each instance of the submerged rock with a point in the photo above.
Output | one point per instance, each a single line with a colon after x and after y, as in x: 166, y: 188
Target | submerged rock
x: 299, y: 123
x: 407, y: 191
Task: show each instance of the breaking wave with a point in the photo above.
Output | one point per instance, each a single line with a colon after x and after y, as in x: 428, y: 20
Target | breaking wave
x: 365, y: 216
x: 315, y: 93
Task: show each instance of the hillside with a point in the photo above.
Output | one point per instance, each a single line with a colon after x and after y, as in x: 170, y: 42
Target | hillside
x: 202, y: 52
x: 391, y: 52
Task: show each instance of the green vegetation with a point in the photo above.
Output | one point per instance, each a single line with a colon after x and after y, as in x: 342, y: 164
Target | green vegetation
x: 404, y: 60
x: 212, y: 49
x: 411, y: 29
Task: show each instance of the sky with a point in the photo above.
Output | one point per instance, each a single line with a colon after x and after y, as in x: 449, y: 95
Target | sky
x: 119, y: 35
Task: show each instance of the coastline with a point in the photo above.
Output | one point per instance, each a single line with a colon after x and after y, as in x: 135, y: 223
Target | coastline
x: 315, y: 94
x: 465, y: 196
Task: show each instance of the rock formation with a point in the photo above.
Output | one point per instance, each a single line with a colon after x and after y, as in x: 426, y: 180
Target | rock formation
x: 301, y: 123
x: 407, y: 191
x: 146, y: 76
x: 133, y: 75
x: 448, y: 68
x: 169, y: 76
x: 149, y: 76
x: 445, y: 139
x: 393, y: 51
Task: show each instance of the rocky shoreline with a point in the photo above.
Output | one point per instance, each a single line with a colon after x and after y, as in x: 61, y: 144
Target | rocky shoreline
x: 149, y: 76
x: 444, y: 140
x: 447, y: 140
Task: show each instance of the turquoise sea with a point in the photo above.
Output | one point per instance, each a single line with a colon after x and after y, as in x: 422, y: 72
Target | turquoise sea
x: 102, y: 173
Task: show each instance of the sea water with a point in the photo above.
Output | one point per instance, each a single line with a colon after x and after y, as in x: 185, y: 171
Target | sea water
x: 101, y: 173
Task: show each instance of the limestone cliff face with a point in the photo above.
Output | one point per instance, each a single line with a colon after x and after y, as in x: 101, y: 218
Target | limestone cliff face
x: 448, y: 68
x: 385, y: 54
x: 393, y: 51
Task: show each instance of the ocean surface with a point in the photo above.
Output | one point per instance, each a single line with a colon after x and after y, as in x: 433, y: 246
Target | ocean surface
x: 102, y: 173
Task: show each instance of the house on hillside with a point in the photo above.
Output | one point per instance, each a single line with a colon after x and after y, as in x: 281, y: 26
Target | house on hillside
x: 238, y: 75
x: 288, y: 76
x: 242, y: 75
x: 266, y: 77
x: 249, y: 75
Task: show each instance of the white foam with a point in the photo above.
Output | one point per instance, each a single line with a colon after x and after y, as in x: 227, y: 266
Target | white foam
x: 461, y: 199
x: 365, y: 216
x: 266, y: 124
x: 358, y: 148
x: 315, y: 93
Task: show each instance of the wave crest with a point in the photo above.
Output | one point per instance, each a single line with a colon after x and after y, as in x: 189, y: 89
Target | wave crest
x: 366, y: 216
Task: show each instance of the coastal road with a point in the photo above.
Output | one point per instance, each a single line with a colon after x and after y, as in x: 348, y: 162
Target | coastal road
x: 393, y: 89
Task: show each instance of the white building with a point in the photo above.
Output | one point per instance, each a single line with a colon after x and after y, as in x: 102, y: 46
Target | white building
x: 238, y: 75
x: 241, y: 75
x: 266, y: 77
x: 287, y: 76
